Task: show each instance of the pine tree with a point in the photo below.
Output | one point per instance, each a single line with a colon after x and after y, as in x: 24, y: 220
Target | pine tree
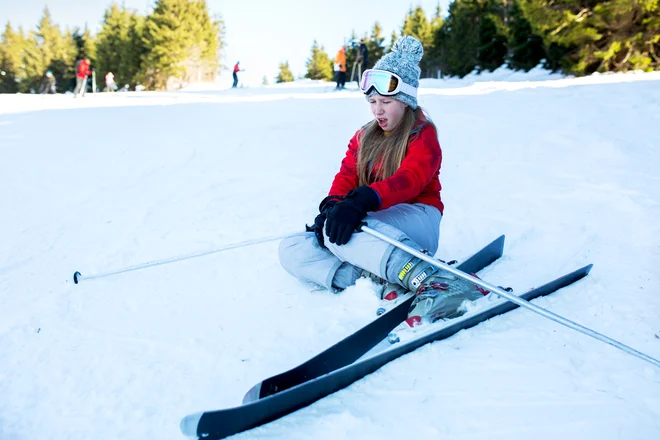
x: 434, y: 53
x: 112, y: 44
x: 319, y: 65
x: 526, y: 49
x: 49, y: 37
x: 181, y: 42
x: 166, y: 40
x: 11, y: 47
x: 393, y: 39
x: 137, y: 50
x: 119, y: 45
x: 68, y: 80
x: 585, y: 36
x: 440, y: 51
x: 459, y: 38
x: 375, y: 45
x: 219, y: 24
x: 202, y: 60
x: 285, y: 74
x: 437, y: 20
x: 34, y: 65
x: 85, y: 45
x: 54, y: 51
x: 417, y: 25
x: 493, y: 34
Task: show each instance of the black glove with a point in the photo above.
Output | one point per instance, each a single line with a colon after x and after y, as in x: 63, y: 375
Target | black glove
x: 345, y: 216
x: 326, y: 205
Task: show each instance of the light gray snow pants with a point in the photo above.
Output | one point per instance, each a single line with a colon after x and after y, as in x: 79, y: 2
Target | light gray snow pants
x: 302, y: 257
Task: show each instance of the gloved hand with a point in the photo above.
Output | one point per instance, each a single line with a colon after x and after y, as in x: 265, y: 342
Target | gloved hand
x: 346, y: 215
x: 325, y: 206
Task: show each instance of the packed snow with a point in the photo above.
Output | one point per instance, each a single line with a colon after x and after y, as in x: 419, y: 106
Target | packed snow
x: 566, y: 167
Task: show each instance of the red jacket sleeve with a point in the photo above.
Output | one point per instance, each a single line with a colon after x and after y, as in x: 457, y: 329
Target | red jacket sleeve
x: 419, y: 167
x: 347, y: 177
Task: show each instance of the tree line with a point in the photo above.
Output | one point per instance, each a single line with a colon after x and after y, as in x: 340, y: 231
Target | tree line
x: 576, y: 37
x: 176, y: 43
x: 179, y: 42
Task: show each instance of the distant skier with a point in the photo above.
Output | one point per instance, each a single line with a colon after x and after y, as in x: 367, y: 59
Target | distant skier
x: 82, y: 72
x: 389, y: 179
x: 110, y: 85
x: 48, y: 84
x: 236, y: 70
x: 362, y: 58
x: 340, y: 67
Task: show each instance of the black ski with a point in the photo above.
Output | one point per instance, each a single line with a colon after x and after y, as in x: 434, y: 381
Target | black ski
x: 354, y: 346
x: 222, y: 423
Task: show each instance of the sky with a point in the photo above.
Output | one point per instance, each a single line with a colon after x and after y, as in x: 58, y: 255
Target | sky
x: 259, y: 33
x: 561, y: 166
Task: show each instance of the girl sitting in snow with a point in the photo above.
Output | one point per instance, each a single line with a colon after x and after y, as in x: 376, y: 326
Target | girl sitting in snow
x: 389, y: 179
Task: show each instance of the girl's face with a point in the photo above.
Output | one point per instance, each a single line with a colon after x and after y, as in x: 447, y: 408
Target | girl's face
x: 387, y: 111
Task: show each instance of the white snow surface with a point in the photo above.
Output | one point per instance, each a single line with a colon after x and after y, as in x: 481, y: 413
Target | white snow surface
x: 567, y: 168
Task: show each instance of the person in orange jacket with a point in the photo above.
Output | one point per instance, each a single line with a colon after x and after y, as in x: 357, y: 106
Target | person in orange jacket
x: 340, y: 67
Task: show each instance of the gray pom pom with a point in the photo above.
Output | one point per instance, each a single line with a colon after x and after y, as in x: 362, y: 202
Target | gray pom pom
x: 410, y: 47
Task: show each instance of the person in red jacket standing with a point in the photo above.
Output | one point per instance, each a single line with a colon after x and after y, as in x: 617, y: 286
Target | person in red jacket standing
x: 389, y: 179
x: 236, y: 70
x: 82, y: 72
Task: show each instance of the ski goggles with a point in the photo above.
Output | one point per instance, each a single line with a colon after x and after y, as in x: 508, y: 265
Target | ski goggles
x: 386, y: 83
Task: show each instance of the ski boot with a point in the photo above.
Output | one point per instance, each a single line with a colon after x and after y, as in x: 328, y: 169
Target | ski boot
x: 438, y: 293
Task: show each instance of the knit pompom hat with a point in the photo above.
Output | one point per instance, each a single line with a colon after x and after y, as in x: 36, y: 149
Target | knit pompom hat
x: 403, y: 60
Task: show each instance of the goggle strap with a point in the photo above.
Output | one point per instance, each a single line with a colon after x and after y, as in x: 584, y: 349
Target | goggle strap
x: 408, y: 89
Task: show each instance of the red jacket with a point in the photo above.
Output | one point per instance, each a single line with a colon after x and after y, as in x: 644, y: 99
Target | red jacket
x: 416, y: 181
x: 83, y: 69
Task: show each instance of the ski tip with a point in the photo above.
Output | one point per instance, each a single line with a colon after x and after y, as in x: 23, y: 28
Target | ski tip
x: 76, y: 277
x: 189, y: 424
x: 582, y: 272
x: 253, y: 394
x: 500, y: 242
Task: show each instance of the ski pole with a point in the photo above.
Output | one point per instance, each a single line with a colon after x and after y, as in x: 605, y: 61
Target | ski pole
x: 77, y: 276
x: 511, y: 297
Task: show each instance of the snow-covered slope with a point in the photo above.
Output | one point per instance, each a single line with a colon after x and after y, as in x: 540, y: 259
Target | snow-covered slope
x: 566, y: 168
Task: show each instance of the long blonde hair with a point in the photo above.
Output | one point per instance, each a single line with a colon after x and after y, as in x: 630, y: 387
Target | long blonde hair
x: 380, y: 155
